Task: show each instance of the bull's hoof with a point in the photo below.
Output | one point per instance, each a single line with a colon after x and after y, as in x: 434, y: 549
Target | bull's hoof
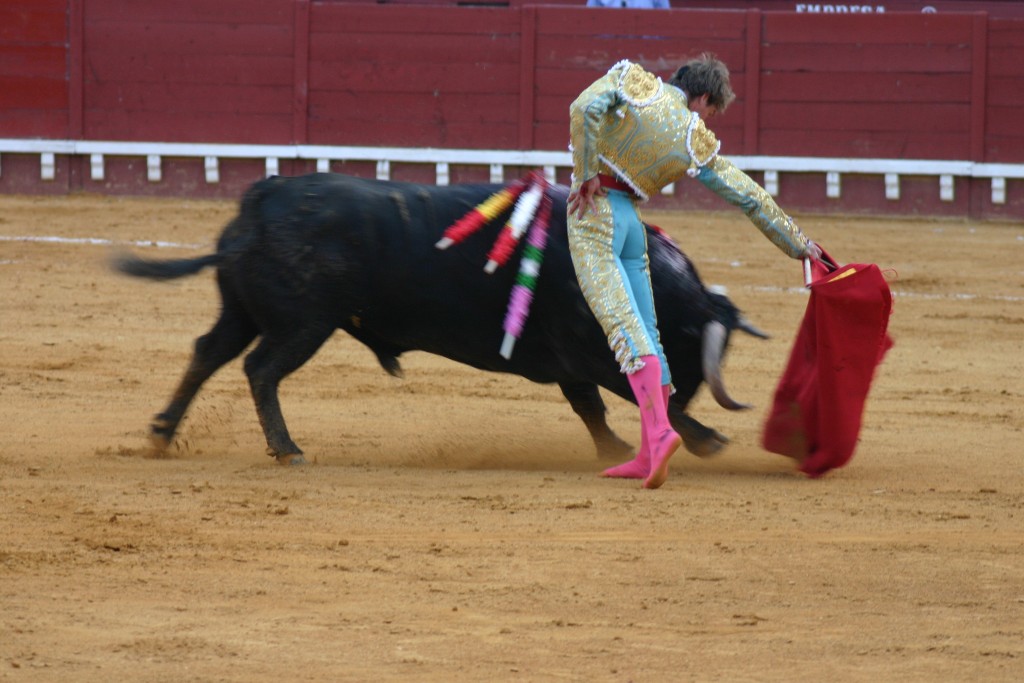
x: 613, y: 448
x: 708, y: 446
x: 287, y: 459
x: 161, y: 433
x: 159, y: 442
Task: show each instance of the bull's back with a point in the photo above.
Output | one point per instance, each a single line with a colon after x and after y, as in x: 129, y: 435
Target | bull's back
x: 394, y: 221
x: 363, y: 252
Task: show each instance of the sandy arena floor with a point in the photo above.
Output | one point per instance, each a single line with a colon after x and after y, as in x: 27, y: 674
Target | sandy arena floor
x: 453, y: 527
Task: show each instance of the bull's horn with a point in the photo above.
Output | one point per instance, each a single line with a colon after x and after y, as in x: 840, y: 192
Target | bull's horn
x: 749, y: 328
x: 715, y: 336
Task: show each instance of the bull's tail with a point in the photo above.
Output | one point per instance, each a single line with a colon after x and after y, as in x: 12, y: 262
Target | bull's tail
x: 171, y: 269
x: 235, y: 239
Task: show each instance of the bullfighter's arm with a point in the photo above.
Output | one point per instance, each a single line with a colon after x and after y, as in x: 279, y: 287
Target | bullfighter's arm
x: 739, y: 189
x: 585, y: 120
x: 721, y: 176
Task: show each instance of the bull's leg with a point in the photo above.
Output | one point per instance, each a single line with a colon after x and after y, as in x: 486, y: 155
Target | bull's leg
x: 273, y: 359
x: 233, y: 331
x: 586, y: 402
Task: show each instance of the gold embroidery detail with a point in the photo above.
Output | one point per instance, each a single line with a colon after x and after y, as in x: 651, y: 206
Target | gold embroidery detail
x: 702, y: 144
x: 739, y: 189
x: 600, y: 280
x: 639, y: 86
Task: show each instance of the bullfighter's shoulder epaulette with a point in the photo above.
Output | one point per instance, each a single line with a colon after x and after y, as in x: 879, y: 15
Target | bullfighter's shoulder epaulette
x: 701, y: 145
x: 637, y: 85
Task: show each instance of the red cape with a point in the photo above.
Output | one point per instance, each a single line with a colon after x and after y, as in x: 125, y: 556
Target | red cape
x: 819, y: 402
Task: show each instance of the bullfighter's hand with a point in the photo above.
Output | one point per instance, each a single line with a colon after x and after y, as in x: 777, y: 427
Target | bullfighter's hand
x: 581, y: 199
x: 813, y: 251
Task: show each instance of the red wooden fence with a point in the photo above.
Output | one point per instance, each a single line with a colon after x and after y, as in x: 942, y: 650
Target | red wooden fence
x: 189, y: 71
x: 34, y: 53
x: 414, y: 76
x: 874, y: 86
x: 1004, y: 92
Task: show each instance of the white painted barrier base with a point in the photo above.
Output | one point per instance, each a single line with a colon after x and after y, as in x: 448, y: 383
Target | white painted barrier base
x: 834, y: 168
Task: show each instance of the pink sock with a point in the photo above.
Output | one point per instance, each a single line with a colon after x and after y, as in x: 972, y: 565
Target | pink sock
x: 640, y: 466
x: 662, y: 440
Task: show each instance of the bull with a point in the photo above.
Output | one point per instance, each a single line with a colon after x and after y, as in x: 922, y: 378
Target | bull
x: 308, y: 255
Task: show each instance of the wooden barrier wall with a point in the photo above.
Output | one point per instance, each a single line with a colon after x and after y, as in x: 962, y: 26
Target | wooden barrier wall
x: 189, y: 71
x: 892, y: 86
x: 1004, y: 92
x: 415, y: 76
x: 34, y: 83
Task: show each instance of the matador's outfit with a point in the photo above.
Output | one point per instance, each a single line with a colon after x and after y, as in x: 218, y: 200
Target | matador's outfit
x: 637, y: 134
x: 632, y: 127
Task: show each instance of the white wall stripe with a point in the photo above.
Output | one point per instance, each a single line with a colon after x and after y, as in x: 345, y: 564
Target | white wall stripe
x: 487, y: 157
x: 102, y: 241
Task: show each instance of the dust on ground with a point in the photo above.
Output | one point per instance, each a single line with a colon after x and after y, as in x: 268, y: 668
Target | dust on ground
x: 453, y: 528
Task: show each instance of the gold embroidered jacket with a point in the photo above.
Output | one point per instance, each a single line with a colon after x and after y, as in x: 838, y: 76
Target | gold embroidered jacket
x: 631, y: 125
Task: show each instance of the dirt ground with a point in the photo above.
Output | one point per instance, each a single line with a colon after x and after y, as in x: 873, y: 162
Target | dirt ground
x: 452, y: 526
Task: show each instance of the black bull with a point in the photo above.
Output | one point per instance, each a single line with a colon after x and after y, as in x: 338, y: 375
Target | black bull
x: 312, y: 254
